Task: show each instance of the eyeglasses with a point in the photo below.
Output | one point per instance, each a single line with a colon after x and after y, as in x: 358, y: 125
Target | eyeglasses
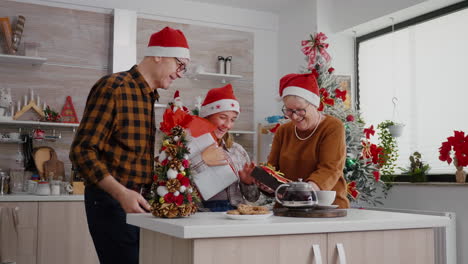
x: 181, y: 67
x: 289, y: 112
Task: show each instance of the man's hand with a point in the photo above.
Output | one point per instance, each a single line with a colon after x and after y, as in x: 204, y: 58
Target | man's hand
x: 214, y: 156
x: 244, y: 174
x: 132, y: 202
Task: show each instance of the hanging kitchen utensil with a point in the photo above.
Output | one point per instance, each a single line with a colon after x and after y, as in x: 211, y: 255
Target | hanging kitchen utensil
x: 41, y: 155
x: 53, y: 168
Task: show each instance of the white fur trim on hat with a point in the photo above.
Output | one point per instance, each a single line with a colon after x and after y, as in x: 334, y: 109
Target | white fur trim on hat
x: 301, y: 92
x: 219, y: 106
x: 177, y: 52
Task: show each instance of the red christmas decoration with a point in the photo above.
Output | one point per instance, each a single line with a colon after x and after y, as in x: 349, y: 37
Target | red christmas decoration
x: 68, y: 112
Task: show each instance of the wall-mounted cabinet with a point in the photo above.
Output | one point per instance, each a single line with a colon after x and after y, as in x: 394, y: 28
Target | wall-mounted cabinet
x: 16, y: 59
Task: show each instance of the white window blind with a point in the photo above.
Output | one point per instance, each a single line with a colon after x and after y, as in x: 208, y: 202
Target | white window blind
x: 426, y: 67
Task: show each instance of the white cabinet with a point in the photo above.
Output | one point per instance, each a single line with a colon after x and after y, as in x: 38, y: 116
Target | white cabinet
x: 27, y: 230
x: 53, y: 233
x: 63, y: 235
x: 390, y: 246
x: 415, y: 246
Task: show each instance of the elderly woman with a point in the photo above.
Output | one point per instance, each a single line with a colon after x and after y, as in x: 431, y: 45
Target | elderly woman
x: 221, y: 108
x: 312, y: 146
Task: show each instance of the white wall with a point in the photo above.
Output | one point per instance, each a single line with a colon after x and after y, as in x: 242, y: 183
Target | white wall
x: 264, y: 25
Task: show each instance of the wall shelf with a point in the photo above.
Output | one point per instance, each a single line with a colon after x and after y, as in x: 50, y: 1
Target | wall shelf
x: 242, y: 132
x: 37, y: 124
x: 16, y: 59
x: 224, y: 78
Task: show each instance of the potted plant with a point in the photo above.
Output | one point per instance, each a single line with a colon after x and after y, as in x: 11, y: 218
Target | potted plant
x: 417, y: 170
x: 458, y: 146
x: 395, y: 129
x: 390, y: 151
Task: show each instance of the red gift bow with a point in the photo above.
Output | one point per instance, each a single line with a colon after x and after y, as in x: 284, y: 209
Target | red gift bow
x: 311, y: 46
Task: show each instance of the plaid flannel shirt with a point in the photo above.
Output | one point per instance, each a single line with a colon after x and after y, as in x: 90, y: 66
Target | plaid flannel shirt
x: 117, y: 133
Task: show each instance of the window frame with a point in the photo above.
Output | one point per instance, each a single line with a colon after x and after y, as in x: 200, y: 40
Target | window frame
x: 440, y: 177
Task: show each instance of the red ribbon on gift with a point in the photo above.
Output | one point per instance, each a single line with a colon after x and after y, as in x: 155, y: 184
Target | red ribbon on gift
x: 197, y: 125
x: 312, y: 46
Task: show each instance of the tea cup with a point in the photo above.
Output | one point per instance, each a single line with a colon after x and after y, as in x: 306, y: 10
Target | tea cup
x: 326, y: 197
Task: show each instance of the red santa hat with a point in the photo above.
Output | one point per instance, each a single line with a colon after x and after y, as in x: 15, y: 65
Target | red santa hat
x: 302, y: 85
x: 219, y: 100
x: 168, y: 42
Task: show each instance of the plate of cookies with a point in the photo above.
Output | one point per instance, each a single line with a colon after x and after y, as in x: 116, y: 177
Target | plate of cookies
x: 249, y: 212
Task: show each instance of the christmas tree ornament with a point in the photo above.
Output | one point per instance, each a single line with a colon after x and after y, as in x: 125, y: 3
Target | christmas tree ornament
x: 172, y: 193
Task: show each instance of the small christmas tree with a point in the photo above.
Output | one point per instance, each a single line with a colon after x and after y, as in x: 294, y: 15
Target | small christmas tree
x: 363, y: 158
x: 173, y: 194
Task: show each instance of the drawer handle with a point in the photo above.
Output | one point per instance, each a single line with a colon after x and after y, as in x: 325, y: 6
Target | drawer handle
x: 341, y: 253
x: 317, y: 254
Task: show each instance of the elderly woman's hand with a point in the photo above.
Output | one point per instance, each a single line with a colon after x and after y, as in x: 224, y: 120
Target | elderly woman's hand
x: 244, y: 174
x: 264, y: 188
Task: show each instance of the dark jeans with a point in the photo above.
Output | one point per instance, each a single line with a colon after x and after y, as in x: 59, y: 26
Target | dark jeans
x: 115, y: 241
x: 218, y: 206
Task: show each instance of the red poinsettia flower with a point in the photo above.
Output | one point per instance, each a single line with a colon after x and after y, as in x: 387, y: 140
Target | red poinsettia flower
x: 189, y: 198
x: 179, y: 199
x: 183, y: 180
x: 369, y: 131
x: 350, y: 118
x: 376, y: 175
x: 165, y: 162
x: 185, y: 163
x: 458, y: 144
x: 169, y: 197
x: 331, y: 69
x: 325, y: 99
x: 352, y: 189
x: 340, y: 94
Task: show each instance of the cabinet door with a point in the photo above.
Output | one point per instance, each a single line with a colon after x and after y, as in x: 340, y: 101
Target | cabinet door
x: 415, y: 246
x: 63, y: 235
x: 303, y: 249
x: 27, y: 231
x: 295, y: 249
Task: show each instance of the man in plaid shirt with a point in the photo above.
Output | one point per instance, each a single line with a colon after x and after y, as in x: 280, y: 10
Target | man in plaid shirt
x: 113, y: 149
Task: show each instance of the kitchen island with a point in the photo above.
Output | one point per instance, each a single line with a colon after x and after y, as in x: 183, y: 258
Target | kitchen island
x: 363, y: 236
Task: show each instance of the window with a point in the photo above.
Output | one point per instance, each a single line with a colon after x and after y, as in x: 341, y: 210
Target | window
x: 424, y: 65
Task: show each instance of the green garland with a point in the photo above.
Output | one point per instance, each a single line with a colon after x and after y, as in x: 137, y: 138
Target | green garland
x: 390, y: 151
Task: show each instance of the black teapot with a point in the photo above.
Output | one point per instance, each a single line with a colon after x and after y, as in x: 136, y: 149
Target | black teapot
x: 297, y: 195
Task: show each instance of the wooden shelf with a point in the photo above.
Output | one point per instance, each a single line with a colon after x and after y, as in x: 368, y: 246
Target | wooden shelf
x: 242, y: 132
x: 37, y: 123
x: 10, y: 141
x: 16, y: 59
x: 224, y: 78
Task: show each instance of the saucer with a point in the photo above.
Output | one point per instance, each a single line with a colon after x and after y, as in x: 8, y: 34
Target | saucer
x: 323, y: 206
